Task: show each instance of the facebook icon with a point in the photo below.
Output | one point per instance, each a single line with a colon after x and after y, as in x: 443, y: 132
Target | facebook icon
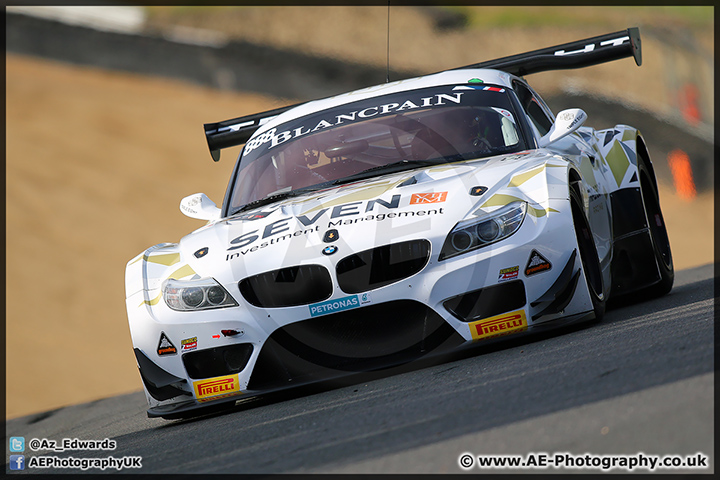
x: 17, y: 462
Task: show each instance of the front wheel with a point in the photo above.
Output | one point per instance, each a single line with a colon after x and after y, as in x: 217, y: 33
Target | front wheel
x: 588, y: 255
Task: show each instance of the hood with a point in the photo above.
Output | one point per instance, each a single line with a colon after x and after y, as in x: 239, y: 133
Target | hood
x: 424, y: 203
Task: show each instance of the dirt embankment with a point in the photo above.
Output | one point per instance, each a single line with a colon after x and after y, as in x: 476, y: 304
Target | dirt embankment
x: 97, y: 163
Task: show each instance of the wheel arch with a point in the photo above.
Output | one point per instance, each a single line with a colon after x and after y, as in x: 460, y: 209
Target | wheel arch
x: 576, y: 181
x: 636, y: 268
x: 643, y: 155
x: 573, y: 176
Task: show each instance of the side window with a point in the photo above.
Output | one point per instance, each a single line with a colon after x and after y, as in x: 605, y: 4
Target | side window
x: 534, y: 109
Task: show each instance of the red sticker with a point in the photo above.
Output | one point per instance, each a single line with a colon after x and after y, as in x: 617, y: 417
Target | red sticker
x: 421, y: 198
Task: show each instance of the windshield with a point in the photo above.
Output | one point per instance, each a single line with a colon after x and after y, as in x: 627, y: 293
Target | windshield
x: 383, y: 134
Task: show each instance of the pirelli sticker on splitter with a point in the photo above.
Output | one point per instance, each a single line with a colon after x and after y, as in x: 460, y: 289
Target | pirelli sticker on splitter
x: 504, y: 324
x: 217, y: 387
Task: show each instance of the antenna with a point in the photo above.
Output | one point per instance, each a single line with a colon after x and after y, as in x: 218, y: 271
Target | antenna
x: 387, y: 79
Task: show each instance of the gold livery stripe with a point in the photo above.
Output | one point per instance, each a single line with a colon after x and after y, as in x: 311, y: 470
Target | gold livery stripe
x: 181, y: 272
x: 501, y: 200
x: 153, y: 301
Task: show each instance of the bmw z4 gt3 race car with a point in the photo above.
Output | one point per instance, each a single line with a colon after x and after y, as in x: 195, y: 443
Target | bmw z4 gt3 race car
x: 378, y: 226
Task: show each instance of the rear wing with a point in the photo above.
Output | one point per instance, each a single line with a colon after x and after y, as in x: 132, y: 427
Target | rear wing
x: 578, y: 54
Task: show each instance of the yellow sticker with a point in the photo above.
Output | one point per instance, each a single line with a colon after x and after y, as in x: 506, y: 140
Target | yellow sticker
x: 214, y: 387
x: 499, y: 325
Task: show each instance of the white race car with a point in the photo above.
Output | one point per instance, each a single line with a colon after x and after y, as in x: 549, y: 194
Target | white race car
x: 402, y: 220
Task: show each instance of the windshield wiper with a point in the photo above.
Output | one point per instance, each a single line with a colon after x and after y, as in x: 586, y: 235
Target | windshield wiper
x: 392, y: 167
x: 278, y: 196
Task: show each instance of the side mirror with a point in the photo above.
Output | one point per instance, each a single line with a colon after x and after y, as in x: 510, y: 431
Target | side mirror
x: 199, y: 206
x: 566, y: 122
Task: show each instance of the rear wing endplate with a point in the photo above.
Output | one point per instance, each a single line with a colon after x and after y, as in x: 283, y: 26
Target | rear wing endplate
x: 578, y: 54
x: 236, y: 131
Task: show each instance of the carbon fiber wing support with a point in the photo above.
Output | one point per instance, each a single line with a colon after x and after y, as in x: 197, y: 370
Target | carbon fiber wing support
x: 577, y: 54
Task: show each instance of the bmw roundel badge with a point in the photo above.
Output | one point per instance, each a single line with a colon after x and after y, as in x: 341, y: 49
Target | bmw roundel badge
x: 329, y: 250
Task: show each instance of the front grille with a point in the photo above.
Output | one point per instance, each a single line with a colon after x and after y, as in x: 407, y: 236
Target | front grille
x: 382, y: 266
x: 214, y: 362
x: 356, y: 340
x: 487, y: 302
x: 288, y: 287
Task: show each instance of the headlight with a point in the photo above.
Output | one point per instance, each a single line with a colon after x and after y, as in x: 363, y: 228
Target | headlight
x: 202, y: 294
x: 489, y: 228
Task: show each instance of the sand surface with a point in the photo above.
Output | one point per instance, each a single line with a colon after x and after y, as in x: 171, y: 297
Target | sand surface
x: 97, y: 163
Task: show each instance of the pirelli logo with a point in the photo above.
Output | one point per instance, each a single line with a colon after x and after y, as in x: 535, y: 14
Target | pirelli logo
x: 218, y: 387
x: 499, y: 325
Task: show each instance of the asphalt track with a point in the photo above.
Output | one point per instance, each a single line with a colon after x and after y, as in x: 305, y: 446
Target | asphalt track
x: 641, y: 381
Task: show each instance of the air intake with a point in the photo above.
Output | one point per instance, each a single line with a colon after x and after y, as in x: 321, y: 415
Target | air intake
x: 215, y: 362
x: 487, y: 302
x: 358, y: 340
x: 382, y: 266
x: 288, y: 287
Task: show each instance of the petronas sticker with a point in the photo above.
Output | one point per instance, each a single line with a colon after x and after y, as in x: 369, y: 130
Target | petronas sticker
x: 536, y: 264
x: 165, y: 346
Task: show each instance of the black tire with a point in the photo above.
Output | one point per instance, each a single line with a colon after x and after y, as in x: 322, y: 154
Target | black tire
x: 658, y: 233
x: 588, y: 255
